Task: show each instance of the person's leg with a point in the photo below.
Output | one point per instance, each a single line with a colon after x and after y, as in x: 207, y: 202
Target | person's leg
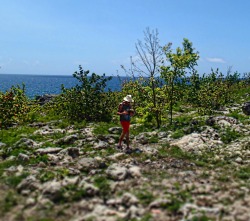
x: 121, y: 138
x: 125, y: 132
x: 127, y: 139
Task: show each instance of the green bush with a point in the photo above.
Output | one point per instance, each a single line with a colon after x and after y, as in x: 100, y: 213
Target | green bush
x: 14, y: 106
x: 228, y: 135
x: 88, y: 101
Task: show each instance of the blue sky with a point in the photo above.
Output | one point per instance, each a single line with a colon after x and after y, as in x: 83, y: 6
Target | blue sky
x: 54, y: 37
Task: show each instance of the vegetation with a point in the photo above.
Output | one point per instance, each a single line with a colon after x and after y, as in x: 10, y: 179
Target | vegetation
x: 173, y: 74
x: 171, y: 99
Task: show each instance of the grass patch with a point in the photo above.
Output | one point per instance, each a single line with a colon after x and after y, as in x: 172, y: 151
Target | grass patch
x: 69, y: 193
x: 146, y: 217
x: 102, y: 128
x: 243, y: 173
x: 237, y: 115
x: 103, y: 185
x: 13, y: 181
x: 145, y: 197
x: 141, y: 128
x: 7, y: 202
x: 12, y: 135
x: 228, y: 135
x: 6, y: 164
x: 178, y: 134
x: 46, y: 176
x: 201, y: 218
x: 163, y: 151
x: 153, y: 139
x: 177, y: 152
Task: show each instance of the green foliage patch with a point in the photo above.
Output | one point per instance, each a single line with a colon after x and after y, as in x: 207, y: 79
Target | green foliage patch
x: 228, y: 135
x: 145, y: 197
x: 8, y: 201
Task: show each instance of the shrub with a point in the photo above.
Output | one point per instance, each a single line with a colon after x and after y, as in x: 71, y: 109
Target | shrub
x: 177, y: 134
x: 104, y: 186
x: 145, y: 197
x: 87, y: 101
x: 14, y: 106
x: 229, y: 135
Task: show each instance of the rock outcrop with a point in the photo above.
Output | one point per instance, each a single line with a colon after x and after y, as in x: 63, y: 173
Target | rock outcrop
x: 82, y: 176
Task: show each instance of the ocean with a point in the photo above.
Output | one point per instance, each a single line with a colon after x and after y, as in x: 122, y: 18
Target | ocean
x: 47, y: 84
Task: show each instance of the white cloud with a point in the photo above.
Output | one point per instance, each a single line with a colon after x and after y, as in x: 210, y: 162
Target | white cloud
x: 216, y: 60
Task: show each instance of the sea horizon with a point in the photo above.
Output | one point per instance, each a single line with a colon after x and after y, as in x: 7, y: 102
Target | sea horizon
x: 38, y: 85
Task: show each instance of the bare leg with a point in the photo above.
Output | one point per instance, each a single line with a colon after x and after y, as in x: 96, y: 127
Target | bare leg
x: 121, y: 138
x: 127, y: 139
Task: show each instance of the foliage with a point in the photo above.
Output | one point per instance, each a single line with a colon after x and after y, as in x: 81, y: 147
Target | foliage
x: 6, y: 164
x: 12, y: 135
x: 102, y: 128
x: 103, y: 185
x: 46, y: 176
x: 87, y: 101
x: 145, y: 197
x: 211, y: 92
x: 147, y: 67
x: 200, y: 218
x: 184, y: 58
x: 177, y: 134
x: 13, y: 181
x: 8, y: 201
x: 228, y: 135
x: 243, y: 173
x: 14, y: 106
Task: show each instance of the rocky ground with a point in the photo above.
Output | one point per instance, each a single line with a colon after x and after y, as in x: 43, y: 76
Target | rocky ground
x: 77, y: 175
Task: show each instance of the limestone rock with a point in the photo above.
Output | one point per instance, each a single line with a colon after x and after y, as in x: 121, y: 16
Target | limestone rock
x: 48, y: 150
x: 87, y: 164
x: 117, y: 172
x: 246, y: 108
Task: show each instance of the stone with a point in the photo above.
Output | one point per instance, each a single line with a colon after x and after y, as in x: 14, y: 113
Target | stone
x: 87, y: 164
x: 29, y: 183
x: 246, y: 108
x: 52, y: 190
x: 115, y: 130
x: 48, y: 150
x: 67, y: 140
x: 117, y: 172
x: 43, y: 99
x: 135, y: 171
x: 158, y: 203
x: 2, y: 145
x: 89, y: 189
x: 25, y: 143
x: 142, y: 138
x: 238, y: 160
x: 23, y: 157
x: 129, y: 199
x: 162, y: 135
x: 73, y: 152
x: 101, y: 145
x: 46, y: 130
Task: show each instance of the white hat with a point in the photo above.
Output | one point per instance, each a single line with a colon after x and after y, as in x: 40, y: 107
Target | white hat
x: 128, y: 98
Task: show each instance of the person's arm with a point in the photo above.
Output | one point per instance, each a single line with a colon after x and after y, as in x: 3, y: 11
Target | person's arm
x: 120, y: 112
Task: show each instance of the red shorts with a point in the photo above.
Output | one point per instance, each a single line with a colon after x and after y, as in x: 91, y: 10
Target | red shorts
x: 125, y: 126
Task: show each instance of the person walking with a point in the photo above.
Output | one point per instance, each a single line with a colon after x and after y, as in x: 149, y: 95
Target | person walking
x: 125, y: 111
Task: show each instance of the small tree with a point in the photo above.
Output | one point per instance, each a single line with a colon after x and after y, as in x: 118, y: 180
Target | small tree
x: 184, y: 58
x: 87, y: 101
x: 147, y: 65
x: 14, y: 106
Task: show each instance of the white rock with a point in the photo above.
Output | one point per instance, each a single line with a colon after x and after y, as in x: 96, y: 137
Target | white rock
x: 238, y: 160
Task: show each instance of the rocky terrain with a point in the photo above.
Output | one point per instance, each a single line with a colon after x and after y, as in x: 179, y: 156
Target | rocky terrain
x: 75, y: 174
